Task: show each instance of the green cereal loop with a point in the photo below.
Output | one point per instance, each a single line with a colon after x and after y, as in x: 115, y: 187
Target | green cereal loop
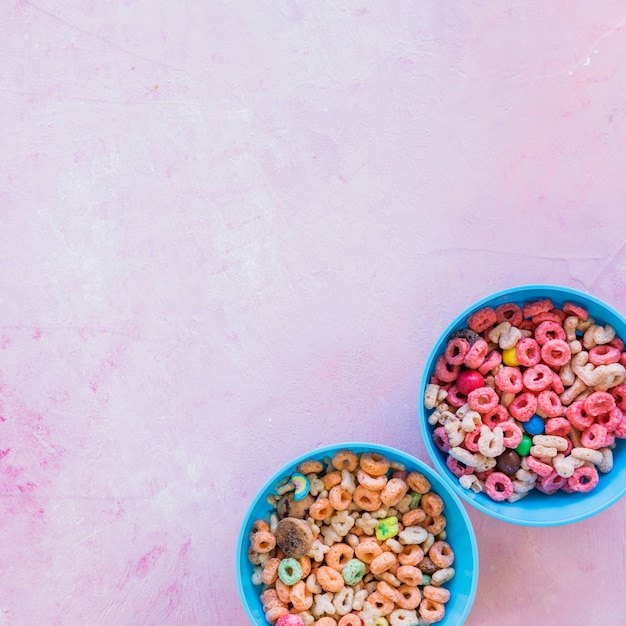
x: 289, y: 571
x: 415, y: 500
x: 426, y: 580
x: 353, y: 571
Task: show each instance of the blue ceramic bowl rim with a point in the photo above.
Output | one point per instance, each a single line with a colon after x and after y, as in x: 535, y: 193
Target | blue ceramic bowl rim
x: 480, y: 501
x: 431, y: 474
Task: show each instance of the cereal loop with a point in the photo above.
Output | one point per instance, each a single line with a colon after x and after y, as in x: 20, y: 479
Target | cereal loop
x: 375, y: 483
x: 382, y: 604
x: 366, y: 499
x: 321, y: 509
x: 509, y: 312
x: 528, y: 352
x: 339, y: 555
x: 367, y: 550
x: 583, y: 479
x: 441, y: 553
x: 546, y: 331
x: 394, y: 491
x: 604, y: 355
x: 409, y: 575
x: 263, y: 541
x: 329, y: 579
x: 550, y: 403
x: 457, y: 350
x: 431, y: 611
x: 438, y: 594
x: 382, y: 563
x: 599, y: 402
x: 418, y: 482
x: 339, y: 498
x: 345, y: 460
x: 530, y: 309
x: 483, y: 399
x: 445, y: 371
x: 432, y: 504
x: 481, y: 320
x: 476, y: 355
x: 498, y: 486
x: 411, y: 597
x: 556, y: 352
x: 509, y: 379
x: 374, y: 463
x: 350, y: 619
x: 300, y: 597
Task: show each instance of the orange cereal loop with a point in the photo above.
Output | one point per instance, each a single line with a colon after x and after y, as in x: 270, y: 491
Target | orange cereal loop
x: 383, y: 605
x: 270, y: 571
x: 332, y: 479
x: 345, y: 460
x: 350, y: 619
x: 310, y: 467
x: 338, y: 555
x: 481, y: 320
x: 326, y: 621
x: 409, y: 575
x: 275, y: 613
x: 394, y: 491
x: 263, y: 541
x: 431, y: 611
x: 411, y: 597
x: 260, y: 526
x: 300, y: 597
x: 436, y: 525
x: 438, y: 594
x: 441, y: 554
x: 418, y: 482
x: 375, y: 483
x: 374, y: 463
x: 329, y: 579
x: 339, y: 498
x: 269, y: 598
x: 320, y: 509
x: 411, y: 555
x: 414, y: 517
x: 367, y: 550
x: 282, y: 590
x: 388, y: 591
x: 432, y: 504
x: 382, y: 563
x: 305, y: 564
x: 366, y: 499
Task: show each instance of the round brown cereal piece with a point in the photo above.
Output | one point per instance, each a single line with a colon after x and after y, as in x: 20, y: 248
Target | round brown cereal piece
x: 418, y: 482
x: 432, y: 504
x: 427, y: 566
x: 374, y: 463
x: 294, y: 537
x: 345, y: 460
x: 366, y: 499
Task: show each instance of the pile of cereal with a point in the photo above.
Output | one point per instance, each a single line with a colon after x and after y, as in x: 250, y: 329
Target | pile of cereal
x: 355, y: 540
x: 529, y: 397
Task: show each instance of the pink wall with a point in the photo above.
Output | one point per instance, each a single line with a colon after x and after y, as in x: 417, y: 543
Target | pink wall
x: 231, y: 232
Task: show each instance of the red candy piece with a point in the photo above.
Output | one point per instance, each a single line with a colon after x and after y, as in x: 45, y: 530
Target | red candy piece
x: 468, y: 380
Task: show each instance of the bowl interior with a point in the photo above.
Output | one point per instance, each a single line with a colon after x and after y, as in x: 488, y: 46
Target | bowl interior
x: 460, y: 534
x: 536, y: 509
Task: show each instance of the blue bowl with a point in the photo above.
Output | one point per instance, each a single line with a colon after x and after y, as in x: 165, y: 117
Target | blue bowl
x: 460, y: 534
x: 536, y: 509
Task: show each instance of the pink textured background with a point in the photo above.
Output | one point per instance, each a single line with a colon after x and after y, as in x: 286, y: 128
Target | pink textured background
x: 231, y: 233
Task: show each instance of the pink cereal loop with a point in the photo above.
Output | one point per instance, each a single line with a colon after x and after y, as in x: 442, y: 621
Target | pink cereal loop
x: 496, y: 417
x: 610, y: 420
x: 556, y: 352
x: 509, y: 312
x: 578, y: 416
x: 599, y: 402
x: 550, y: 403
x: 493, y: 359
x: 619, y: 393
x: 551, y: 484
x: 445, y: 371
x: 475, y: 356
x: 509, y: 379
x: 594, y: 437
x: 547, y: 331
x: 604, y: 355
x: 482, y: 319
x: 483, y: 400
x: 512, y: 434
x: 528, y: 352
x: 530, y: 309
x: 457, y: 468
x: 523, y: 406
x: 583, y: 479
x: 620, y: 431
x: 558, y: 426
x: 539, y: 467
x: 538, y: 377
x: 549, y: 316
x: 573, y: 309
x: 440, y: 439
x: 455, y: 397
x: 616, y: 342
x: 456, y: 350
x: 498, y: 486
x: 557, y: 384
x: 471, y: 440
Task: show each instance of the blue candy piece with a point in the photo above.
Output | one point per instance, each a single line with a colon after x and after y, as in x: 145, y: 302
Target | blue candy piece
x: 534, y: 426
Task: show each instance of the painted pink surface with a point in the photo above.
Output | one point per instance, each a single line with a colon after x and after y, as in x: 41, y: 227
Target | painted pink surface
x: 232, y: 231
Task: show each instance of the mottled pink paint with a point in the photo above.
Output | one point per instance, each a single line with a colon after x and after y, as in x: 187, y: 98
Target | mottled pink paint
x: 231, y: 232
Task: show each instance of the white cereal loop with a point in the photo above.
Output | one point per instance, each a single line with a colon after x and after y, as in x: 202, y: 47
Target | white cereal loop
x: 467, y: 480
x: 552, y: 441
x: 442, y: 576
x: 587, y: 454
x: 520, y: 486
x: 430, y: 396
x: 477, y: 461
x: 606, y: 465
x: 344, y: 600
x: 413, y: 535
x: 395, y: 546
x: 403, y: 617
x: 546, y: 452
